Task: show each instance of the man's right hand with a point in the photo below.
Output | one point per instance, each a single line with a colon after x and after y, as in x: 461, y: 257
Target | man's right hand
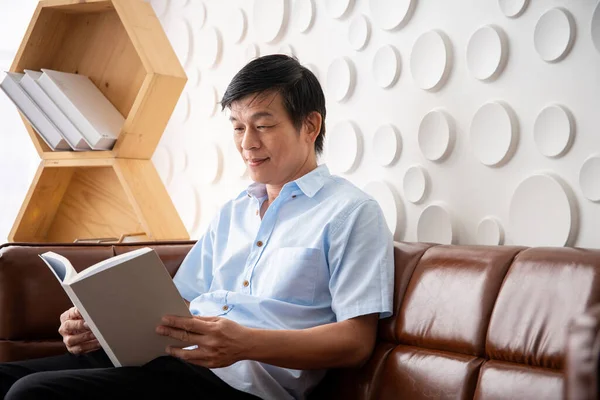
x: 77, y: 336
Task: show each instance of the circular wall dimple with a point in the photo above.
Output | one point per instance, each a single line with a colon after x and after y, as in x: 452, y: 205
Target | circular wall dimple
x: 391, y: 14
x: 436, y: 225
x: 163, y: 162
x: 387, y: 145
x: 553, y: 131
x: 542, y: 213
x: 415, y: 184
x: 344, y: 147
x: 596, y: 27
x: 430, y: 60
x: 340, y: 79
x: 304, y: 15
x: 436, y: 135
x: 338, y: 8
x: 386, y: 66
x: 589, y: 178
x: 513, y: 8
x: 486, y: 53
x: 388, y: 201
x: 493, y: 134
x: 269, y: 18
x: 490, y: 232
x: 359, y: 32
x: 208, y: 48
x: 554, y: 34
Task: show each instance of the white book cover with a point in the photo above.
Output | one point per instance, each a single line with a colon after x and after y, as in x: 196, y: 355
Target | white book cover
x: 85, y: 105
x: 64, y: 124
x: 11, y: 85
x: 123, y: 299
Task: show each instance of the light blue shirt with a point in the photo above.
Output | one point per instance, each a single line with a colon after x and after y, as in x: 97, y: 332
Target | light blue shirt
x: 322, y: 253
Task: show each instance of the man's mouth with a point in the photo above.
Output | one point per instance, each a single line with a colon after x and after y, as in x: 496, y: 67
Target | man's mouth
x: 255, y: 162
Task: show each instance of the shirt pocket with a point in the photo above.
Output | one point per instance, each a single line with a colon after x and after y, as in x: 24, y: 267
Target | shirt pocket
x: 294, y: 274
x: 211, y: 304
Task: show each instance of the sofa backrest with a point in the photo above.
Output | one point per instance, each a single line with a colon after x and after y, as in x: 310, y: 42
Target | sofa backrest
x: 475, y: 322
x: 482, y: 322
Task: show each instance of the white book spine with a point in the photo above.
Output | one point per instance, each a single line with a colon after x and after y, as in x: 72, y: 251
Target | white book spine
x: 68, y: 130
x: 34, y: 115
x: 98, y: 140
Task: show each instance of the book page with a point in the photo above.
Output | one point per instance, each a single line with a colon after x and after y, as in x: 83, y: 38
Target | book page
x: 60, y: 266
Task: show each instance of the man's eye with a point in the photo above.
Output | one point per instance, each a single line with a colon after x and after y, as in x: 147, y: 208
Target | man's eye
x: 238, y: 129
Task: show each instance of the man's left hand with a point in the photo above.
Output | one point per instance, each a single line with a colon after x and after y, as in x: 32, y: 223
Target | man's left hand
x: 221, y: 342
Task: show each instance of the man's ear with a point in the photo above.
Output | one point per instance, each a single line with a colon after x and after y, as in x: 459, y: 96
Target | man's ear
x: 312, y: 125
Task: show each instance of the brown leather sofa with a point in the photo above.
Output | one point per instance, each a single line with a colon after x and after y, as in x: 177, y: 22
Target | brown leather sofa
x: 470, y: 321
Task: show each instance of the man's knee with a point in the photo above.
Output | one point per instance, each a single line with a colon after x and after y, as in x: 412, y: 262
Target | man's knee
x: 34, y: 386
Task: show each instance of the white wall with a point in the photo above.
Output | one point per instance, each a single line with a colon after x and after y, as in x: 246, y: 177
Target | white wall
x: 534, y: 199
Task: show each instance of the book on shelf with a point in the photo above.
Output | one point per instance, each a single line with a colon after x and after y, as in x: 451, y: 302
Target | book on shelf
x: 46, y: 129
x: 85, y: 105
x: 123, y: 299
x: 45, y: 103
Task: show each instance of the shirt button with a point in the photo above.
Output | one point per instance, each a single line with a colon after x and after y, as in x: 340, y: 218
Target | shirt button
x: 294, y: 196
x: 246, y: 283
x: 225, y: 308
x: 249, y: 195
x: 259, y: 243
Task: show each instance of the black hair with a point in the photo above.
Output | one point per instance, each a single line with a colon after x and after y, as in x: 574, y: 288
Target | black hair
x: 298, y: 86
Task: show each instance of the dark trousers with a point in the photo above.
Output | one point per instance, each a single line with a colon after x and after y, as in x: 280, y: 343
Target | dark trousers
x: 92, y: 376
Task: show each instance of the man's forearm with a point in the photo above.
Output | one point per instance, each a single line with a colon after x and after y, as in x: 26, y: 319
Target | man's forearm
x: 341, y: 344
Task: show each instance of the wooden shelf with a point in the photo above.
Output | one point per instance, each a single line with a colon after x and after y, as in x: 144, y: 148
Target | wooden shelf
x: 82, y: 199
x: 121, y: 46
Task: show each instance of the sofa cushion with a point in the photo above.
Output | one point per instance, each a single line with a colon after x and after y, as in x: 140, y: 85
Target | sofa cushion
x: 30, y: 295
x: 450, y: 297
x: 543, y: 290
x: 414, y: 373
x: 501, y: 380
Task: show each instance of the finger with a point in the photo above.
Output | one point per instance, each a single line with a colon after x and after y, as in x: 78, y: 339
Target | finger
x: 196, y: 357
x: 74, y: 340
x: 179, y: 334
x: 75, y: 326
x: 187, y: 323
x: 74, y: 313
x: 207, y: 319
x: 85, y: 347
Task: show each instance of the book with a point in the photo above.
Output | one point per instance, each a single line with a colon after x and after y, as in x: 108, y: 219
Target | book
x: 123, y: 299
x: 85, y: 105
x: 11, y: 85
x: 45, y: 103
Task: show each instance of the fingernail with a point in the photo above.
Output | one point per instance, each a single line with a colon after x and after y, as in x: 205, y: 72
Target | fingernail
x: 160, y: 329
x: 85, y: 324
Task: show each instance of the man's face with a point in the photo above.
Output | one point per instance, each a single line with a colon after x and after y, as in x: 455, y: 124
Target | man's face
x: 272, y: 148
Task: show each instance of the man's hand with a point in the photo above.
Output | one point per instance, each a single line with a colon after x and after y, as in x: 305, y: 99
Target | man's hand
x: 220, y: 341
x: 77, y: 336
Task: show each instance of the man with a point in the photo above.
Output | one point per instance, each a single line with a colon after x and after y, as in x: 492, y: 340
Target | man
x: 288, y: 281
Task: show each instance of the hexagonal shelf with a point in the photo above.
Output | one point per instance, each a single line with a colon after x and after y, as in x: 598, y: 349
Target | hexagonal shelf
x: 121, y: 46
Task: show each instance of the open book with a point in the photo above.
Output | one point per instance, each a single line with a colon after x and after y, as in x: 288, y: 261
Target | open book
x: 123, y: 299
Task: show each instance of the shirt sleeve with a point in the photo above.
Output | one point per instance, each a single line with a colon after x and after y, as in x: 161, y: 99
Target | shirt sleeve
x: 194, y: 276
x: 361, y: 264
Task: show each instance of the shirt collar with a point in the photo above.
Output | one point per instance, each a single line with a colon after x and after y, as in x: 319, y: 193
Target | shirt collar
x: 309, y: 183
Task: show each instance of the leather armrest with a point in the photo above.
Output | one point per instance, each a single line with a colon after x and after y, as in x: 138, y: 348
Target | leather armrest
x: 582, y: 353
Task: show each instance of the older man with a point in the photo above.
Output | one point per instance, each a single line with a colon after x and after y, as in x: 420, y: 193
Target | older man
x: 289, y: 280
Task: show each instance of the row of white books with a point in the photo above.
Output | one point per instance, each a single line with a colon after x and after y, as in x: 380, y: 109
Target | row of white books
x: 67, y: 110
